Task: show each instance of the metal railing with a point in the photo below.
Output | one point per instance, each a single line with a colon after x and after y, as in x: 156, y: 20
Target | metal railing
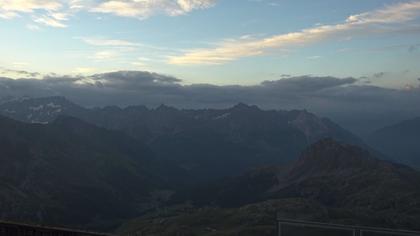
x: 306, y: 228
x: 19, y: 229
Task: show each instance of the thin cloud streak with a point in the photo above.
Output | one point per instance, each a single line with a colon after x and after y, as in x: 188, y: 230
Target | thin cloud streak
x: 102, y: 42
x: 378, y: 21
x: 147, y: 8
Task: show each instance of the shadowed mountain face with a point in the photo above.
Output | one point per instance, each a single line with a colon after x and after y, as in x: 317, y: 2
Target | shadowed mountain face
x: 400, y: 142
x: 336, y: 175
x: 330, y: 182
x: 346, y: 176
x: 71, y: 172
x: 208, y: 143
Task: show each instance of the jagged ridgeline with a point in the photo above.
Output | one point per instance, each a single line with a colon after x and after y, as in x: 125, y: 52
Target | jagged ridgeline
x: 208, y: 143
x: 211, y: 171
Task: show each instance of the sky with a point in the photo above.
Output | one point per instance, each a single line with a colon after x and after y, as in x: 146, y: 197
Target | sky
x: 355, y: 62
x: 219, y: 42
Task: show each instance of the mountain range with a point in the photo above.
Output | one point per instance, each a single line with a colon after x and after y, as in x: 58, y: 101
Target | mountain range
x: 208, y: 143
x: 330, y: 182
x: 211, y: 171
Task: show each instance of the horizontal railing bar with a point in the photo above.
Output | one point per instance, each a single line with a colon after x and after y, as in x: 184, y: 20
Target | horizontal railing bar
x: 317, y: 226
x: 403, y: 233
x: 347, y: 227
x: 41, y: 227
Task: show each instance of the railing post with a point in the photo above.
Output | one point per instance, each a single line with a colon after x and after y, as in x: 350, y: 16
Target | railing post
x: 357, y: 232
x: 279, y: 228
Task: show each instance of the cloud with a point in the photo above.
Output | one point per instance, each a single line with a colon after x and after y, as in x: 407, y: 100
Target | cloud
x: 105, y: 55
x: 397, y: 13
x: 51, y: 19
x: 110, y: 49
x: 146, y: 8
x: 33, y: 27
x: 102, y: 42
x: 307, y: 84
x: 272, y: 3
x: 143, y: 84
x: 18, y: 73
x: 15, y: 7
x: 387, y: 19
x: 314, y: 57
x: 45, y: 12
x: 299, y: 92
x: 349, y: 101
x: 379, y: 75
x: 133, y: 80
x: 55, y: 13
x: 84, y: 70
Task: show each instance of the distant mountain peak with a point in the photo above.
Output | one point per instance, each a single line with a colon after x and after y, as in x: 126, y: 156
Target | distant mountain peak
x: 328, y: 156
x: 112, y: 109
x: 136, y: 108
x: 62, y: 119
x: 243, y: 106
x: 164, y: 107
x: 39, y: 110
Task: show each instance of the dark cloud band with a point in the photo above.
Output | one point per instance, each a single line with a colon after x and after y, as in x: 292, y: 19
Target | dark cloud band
x: 345, y: 99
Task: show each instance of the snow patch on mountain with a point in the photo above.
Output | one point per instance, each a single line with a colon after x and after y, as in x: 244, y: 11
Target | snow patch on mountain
x: 36, y: 108
x: 223, y: 116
